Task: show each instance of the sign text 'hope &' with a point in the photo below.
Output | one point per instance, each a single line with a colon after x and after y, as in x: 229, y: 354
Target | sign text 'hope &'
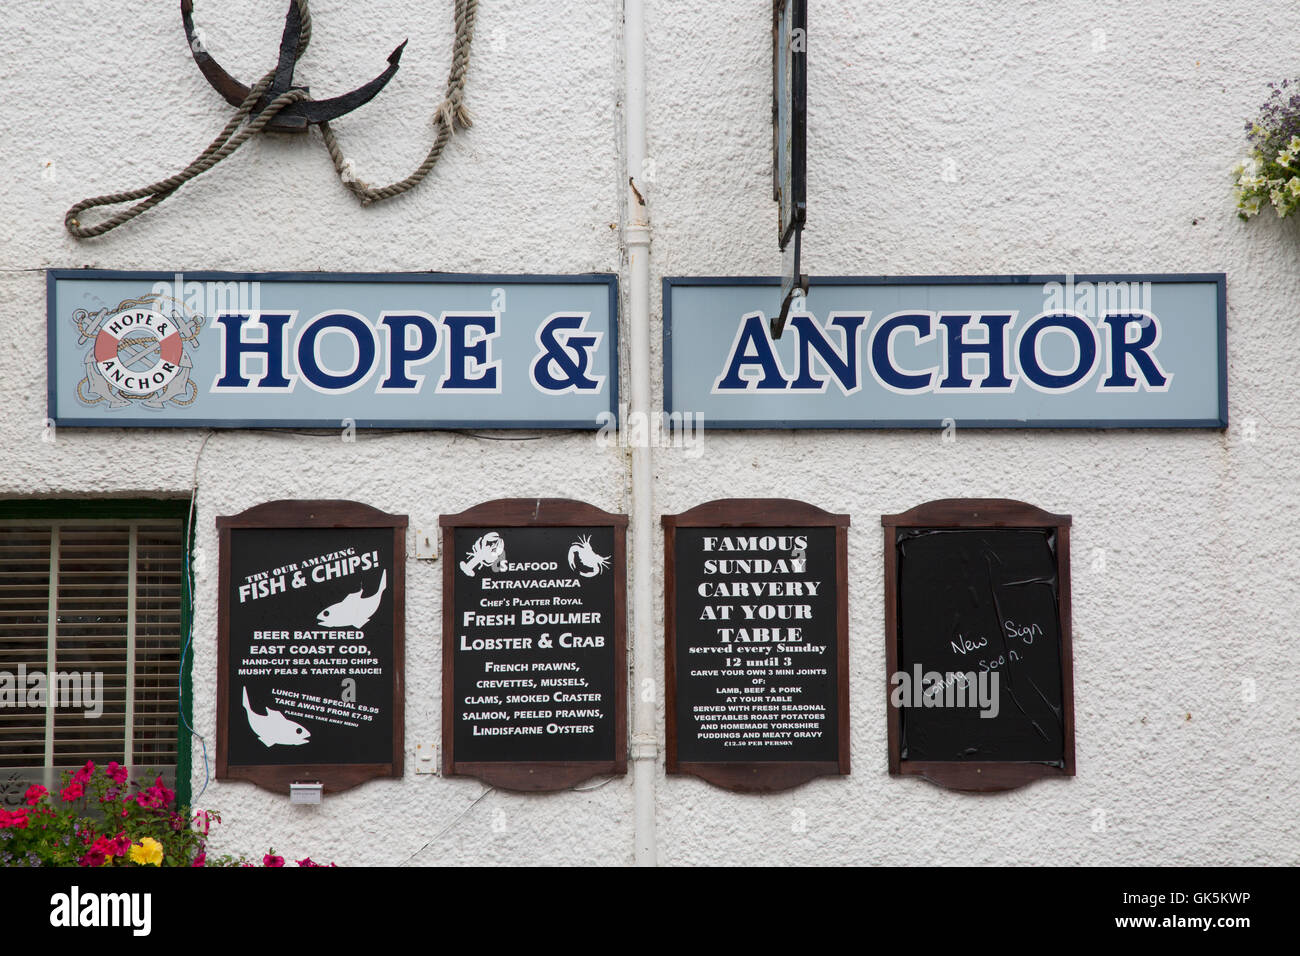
x: 261, y: 352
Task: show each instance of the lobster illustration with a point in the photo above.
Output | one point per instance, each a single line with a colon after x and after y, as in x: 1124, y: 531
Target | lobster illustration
x: 583, y: 553
x: 487, y: 550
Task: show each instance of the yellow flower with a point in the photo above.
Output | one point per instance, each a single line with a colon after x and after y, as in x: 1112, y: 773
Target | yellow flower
x: 147, y: 852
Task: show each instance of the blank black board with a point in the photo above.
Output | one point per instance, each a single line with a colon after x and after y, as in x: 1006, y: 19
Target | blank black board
x: 978, y: 609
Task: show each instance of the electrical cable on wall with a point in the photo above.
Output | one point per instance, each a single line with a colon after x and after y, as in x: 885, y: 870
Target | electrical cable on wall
x: 188, y: 577
x: 256, y: 113
x: 433, y: 839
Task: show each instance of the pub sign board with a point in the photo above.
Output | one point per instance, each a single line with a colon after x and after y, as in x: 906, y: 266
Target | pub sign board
x: 311, y: 619
x: 1063, y: 351
x: 756, y: 648
x: 978, y: 644
x: 328, y: 350
x: 534, y: 659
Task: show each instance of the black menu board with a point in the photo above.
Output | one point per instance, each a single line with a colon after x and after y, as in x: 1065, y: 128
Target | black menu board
x: 756, y: 615
x: 977, y: 621
x: 310, y: 644
x: 533, y: 643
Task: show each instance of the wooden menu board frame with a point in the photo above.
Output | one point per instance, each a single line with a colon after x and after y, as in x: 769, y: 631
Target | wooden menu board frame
x: 985, y: 514
x: 758, y: 776
x: 292, y: 515
x: 539, y: 775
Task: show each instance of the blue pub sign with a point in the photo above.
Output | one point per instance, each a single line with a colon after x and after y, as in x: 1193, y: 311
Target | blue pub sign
x: 1001, y: 351
x: 265, y: 350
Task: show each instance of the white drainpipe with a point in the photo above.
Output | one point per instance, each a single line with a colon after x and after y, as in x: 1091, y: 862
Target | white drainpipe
x: 636, y: 238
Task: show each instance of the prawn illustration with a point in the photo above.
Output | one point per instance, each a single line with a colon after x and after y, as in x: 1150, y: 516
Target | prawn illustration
x: 487, y: 550
x: 583, y: 553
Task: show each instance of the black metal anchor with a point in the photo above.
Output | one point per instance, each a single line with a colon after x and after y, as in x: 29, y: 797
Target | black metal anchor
x: 296, y: 117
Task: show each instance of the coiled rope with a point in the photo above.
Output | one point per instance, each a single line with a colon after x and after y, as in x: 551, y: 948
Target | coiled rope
x: 450, y: 116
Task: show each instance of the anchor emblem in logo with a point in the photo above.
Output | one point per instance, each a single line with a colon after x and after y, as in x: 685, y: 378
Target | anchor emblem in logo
x: 138, y: 353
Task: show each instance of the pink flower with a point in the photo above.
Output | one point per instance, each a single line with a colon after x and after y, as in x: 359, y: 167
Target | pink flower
x: 270, y: 860
x: 109, y: 846
x: 117, y: 846
x: 157, y: 797
x: 72, y: 791
x: 35, y: 793
x: 307, y: 862
x: 93, y: 857
x: 85, y: 773
x: 116, y: 772
x: 17, y: 819
x: 201, y: 859
x: 203, y: 822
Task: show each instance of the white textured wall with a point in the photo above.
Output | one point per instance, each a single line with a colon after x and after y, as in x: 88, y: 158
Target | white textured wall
x: 1074, y: 151
x: 1067, y: 159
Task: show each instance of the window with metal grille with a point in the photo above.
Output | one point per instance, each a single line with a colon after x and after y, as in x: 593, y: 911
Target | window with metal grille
x: 94, y: 607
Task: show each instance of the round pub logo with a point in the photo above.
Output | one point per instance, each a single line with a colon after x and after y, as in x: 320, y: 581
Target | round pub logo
x: 136, y: 353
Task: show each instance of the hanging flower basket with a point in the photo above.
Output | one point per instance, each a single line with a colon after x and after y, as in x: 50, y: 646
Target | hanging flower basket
x: 1271, y: 173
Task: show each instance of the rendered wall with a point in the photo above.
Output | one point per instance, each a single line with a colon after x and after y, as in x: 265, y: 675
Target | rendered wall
x: 944, y: 139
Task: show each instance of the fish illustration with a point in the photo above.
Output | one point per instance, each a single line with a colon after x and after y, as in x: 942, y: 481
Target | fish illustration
x: 354, y: 610
x: 274, y: 728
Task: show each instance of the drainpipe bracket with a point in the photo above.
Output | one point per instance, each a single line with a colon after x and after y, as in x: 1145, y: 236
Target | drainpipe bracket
x: 644, y: 748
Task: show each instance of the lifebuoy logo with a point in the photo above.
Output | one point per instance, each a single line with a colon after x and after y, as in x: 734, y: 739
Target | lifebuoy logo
x: 154, y: 355
x: 138, y: 354
x: 76, y: 909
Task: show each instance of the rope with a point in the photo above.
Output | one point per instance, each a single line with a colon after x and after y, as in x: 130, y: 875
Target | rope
x: 450, y: 115
x: 227, y: 141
